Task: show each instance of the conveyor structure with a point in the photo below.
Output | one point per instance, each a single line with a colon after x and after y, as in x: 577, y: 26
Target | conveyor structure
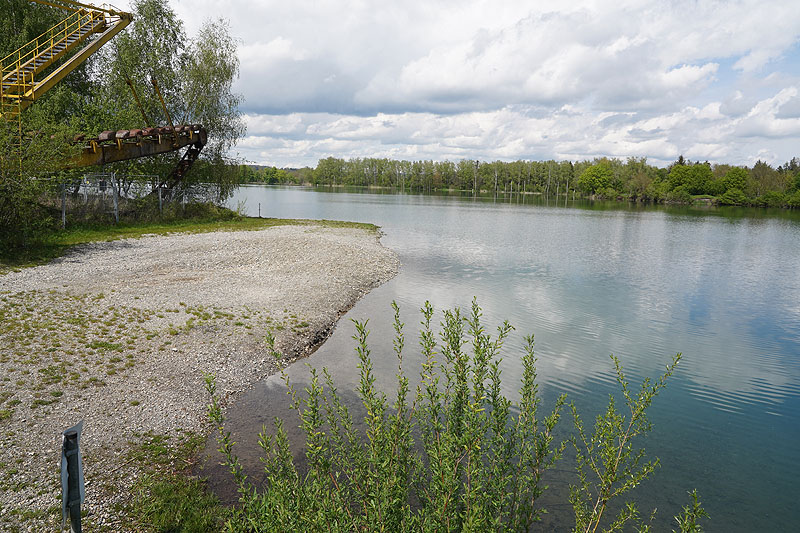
x: 26, y: 76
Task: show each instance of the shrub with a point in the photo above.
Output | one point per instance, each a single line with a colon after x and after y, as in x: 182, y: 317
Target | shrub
x: 608, y: 193
x: 794, y: 200
x: 733, y: 197
x: 454, y: 458
x: 771, y: 199
x: 681, y: 195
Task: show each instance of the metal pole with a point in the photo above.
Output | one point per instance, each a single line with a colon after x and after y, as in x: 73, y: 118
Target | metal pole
x: 259, y: 209
x: 116, y: 203
x: 63, y: 206
x: 160, y: 208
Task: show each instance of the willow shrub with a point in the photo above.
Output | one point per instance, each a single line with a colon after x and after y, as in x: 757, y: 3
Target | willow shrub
x: 450, y: 457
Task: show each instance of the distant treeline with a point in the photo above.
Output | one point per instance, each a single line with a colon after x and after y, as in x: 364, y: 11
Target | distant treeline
x: 634, y: 179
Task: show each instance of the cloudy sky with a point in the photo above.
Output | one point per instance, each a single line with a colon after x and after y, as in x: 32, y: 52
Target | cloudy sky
x: 508, y: 79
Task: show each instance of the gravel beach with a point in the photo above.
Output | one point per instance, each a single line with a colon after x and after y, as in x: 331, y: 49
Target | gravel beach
x: 119, y: 334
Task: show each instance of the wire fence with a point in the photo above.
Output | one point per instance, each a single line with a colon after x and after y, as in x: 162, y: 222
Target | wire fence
x: 104, y: 196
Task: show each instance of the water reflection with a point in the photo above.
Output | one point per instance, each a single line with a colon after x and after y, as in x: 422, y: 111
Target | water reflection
x: 644, y: 283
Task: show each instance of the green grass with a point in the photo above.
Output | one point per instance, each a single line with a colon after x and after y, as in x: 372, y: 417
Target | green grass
x: 168, y: 498
x: 59, y: 242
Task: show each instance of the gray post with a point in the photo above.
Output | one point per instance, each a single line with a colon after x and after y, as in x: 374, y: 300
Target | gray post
x: 116, y: 202
x: 63, y: 206
x: 259, y: 209
x: 160, y: 208
x: 72, y: 487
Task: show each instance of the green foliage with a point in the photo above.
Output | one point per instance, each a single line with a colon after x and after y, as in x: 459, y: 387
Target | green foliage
x: 167, y: 498
x: 458, y: 456
x: 764, y: 178
x: 694, y: 179
x: 716, y: 187
x: 210, y: 68
x: 794, y: 200
x: 22, y: 22
x: 595, y: 178
x: 735, y: 178
x: 195, y: 76
x: 771, y: 199
x: 607, y: 463
x: 681, y: 195
x: 688, y: 520
x: 633, y: 178
x: 795, y: 182
x: 733, y: 197
x: 25, y: 178
x: 177, y: 504
x: 608, y: 193
x: 267, y: 175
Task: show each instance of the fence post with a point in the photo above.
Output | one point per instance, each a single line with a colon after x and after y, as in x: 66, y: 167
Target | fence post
x: 160, y: 208
x: 114, y: 190
x: 63, y: 206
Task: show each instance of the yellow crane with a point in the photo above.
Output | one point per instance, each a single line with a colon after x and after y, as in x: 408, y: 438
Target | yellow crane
x: 25, y: 78
x: 24, y: 71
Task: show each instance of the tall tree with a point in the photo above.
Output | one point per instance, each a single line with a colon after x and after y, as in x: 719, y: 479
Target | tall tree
x: 195, y: 77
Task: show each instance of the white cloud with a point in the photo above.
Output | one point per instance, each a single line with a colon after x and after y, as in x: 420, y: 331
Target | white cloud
x: 254, y: 55
x: 790, y: 108
x: 699, y: 133
x: 514, y: 79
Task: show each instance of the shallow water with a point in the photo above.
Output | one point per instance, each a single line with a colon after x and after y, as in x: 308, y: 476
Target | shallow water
x: 719, y: 285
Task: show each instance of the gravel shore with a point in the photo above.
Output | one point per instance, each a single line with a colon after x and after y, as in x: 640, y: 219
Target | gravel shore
x: 120, y: 334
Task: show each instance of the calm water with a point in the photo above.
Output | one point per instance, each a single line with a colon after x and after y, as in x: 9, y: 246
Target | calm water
x: 720, y: 286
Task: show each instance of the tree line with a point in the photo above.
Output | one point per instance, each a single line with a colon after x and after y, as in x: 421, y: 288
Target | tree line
x: 632, y: 179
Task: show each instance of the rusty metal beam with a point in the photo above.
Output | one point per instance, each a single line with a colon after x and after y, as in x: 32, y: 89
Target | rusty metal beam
x: 122, y: 149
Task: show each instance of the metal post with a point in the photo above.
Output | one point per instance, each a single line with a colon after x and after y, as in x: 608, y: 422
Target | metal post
x: 160, y: 208
x: 72, y: 487
x: 259, y: 209
x: 116, y: 203
x: 63, y: 206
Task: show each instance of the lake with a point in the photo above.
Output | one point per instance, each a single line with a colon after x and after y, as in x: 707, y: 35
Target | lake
x: 722, y: 286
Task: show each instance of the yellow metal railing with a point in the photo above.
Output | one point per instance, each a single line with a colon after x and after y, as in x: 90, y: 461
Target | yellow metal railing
x: 22, y: 73
x: 21, y: 67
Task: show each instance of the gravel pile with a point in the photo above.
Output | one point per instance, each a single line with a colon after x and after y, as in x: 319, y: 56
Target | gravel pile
x: 120, y: 334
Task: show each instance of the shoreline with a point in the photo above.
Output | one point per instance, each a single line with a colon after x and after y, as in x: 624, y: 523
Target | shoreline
x: 121, y: 333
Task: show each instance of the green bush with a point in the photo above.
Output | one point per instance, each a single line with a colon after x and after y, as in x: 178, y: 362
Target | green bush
x: 681, y: 195
x: 608, y: 193
x: 771, y: 199
x: 794, y: 200
x: 453, y: 458
x: 733, y: 197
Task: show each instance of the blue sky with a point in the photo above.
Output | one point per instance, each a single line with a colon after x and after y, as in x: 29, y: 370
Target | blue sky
x: 453, y: 79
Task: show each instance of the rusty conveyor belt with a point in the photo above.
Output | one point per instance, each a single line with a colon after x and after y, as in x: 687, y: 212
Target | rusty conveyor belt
x: 122, y: 145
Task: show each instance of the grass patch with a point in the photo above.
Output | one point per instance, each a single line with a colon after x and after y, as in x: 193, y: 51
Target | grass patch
x: 104, y: 345
x: 168, y: 498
